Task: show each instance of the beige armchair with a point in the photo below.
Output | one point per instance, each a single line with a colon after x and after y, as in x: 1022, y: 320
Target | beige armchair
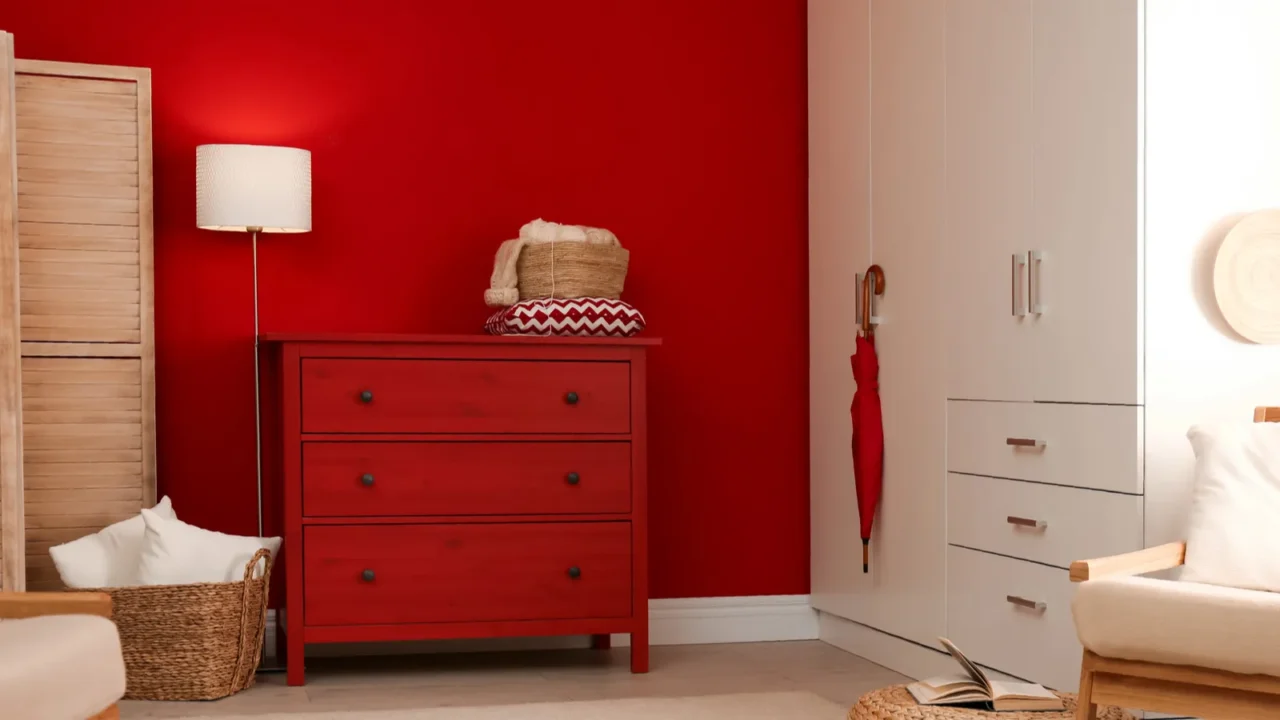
x: 60, y: 656
x: 1174, y: 647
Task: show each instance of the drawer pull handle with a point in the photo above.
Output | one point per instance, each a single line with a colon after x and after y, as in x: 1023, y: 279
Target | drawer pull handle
x: 575, y: 572
x: 366, y: 396
x: 1025, y: 603
x: 1024, y: 442
x: 367, y: 576
x: 572, y: 478
x: 366, y: 480
x: 571, y: 398
x: 1027, y: 522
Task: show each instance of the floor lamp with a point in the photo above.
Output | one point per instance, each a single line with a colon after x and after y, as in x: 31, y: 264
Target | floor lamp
x: 253, y: 189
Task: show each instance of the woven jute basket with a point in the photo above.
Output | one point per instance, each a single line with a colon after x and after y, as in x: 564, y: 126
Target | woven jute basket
x: 571, y: 270
x: 895, y: 703
x: 193, y: 642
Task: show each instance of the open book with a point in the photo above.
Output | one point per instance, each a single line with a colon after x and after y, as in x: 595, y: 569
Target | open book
x: 974, y: 687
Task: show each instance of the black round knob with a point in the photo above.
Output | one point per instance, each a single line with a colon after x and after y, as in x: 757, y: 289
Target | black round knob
x: 571, y: 398
x: 571, y: 478
x: 575, y: 572
x: 366, y: 396
x: 366, y: 480
x: 367, y: 576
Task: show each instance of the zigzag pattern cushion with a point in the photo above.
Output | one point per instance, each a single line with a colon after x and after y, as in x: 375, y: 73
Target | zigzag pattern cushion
x: 598, y: 317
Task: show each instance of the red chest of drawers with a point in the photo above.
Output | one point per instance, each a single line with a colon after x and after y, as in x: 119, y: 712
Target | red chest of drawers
x: 457, y: 487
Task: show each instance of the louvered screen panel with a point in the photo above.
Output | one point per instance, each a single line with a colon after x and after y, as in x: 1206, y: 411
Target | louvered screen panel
x: 83, y: 170
x: 11, y: 546
x: 79, y: 209
x: 83, y: 456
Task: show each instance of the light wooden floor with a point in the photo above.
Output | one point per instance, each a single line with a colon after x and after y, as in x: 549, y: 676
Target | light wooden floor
x: 546, y: 676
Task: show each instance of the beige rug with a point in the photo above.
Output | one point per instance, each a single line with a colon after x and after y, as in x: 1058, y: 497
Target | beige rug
x: 749, y: 706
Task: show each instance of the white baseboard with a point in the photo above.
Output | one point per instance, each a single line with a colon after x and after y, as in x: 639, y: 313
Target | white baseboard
x: 904, y: 656
x: 705, y: 621
x: 677, y: 621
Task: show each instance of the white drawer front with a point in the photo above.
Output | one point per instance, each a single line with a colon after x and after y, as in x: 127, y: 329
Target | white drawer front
x: 1090, y: 446
x: 992, y: 514
x: 1039, y: 645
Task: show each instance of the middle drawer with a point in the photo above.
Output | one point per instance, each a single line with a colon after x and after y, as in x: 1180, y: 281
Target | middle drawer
x: 1045, y: 523
x: 365, y: 479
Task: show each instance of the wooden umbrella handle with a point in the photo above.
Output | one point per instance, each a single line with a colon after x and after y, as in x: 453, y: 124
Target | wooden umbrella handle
x: 873, y: 283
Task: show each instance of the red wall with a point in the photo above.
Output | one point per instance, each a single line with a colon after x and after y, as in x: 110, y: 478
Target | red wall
x: 438, y: 128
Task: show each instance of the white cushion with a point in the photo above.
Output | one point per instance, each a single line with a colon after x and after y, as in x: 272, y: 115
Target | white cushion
x: 1233, y: 536
x: 175, y: 553
x: 107, y: 558
x: 1180, y: 623
x: 59, y: 667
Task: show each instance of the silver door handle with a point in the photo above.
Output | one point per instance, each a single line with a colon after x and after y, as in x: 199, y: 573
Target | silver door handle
x: 1024, y: 442
x: 1026, y: 522
x: 1025, y: 603
x: 1035, y: 284
x: 1015, y: 284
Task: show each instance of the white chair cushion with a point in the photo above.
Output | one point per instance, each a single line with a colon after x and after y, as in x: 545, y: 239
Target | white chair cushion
x: 59, y: 667
x: 1180, y: 623
x: 1232, y: 533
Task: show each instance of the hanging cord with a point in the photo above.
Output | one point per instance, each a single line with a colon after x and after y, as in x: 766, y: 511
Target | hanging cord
x: 543, y: 303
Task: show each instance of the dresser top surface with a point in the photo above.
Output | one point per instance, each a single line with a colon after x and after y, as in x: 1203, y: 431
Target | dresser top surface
x: 415, y: 339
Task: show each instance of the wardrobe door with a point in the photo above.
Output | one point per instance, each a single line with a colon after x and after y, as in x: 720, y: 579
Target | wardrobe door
x: 904, y: 593
x: 839, y: 249
x: 988, y: 226
x: 12, y: 569
x: 1088, y: 159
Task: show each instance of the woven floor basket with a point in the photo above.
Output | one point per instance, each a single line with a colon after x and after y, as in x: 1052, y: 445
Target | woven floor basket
x: 572, y: 269
x: 192, y: 642
x: 895, y: 703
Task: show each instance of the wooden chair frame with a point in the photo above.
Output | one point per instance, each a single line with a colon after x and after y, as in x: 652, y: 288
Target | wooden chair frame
x: 1175, y: 689
x: 19, y: 605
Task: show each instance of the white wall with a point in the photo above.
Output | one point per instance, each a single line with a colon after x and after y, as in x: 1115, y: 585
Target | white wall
x: 1213, y: 154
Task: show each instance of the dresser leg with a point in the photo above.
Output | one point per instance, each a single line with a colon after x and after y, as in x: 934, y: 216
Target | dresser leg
x: 640, y: 651
x: 296, y: 673
x: 601, y: 642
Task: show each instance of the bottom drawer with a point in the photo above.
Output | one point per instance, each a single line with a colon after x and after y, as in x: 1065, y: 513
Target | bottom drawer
x: 390, y: 574
x: 1037, y: 644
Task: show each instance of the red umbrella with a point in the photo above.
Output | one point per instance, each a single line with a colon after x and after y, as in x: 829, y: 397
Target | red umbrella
x: 868, y: 426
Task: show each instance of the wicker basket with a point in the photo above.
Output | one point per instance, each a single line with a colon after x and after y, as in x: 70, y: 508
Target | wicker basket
x: 571, y: 270
x: 192, y: 642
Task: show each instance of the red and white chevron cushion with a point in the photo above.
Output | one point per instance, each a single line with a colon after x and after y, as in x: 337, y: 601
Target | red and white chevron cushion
x: 567, y: 316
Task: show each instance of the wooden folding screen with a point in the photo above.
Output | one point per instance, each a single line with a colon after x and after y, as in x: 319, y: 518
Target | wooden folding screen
x: 11, y: 516
x: 84, y: 243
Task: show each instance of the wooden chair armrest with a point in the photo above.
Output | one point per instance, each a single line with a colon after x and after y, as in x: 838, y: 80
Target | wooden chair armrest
x: 1162, y: 557
x: 18, y: 605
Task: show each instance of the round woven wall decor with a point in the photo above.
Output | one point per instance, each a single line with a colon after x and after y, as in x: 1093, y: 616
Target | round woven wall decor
x: 1246, y: 277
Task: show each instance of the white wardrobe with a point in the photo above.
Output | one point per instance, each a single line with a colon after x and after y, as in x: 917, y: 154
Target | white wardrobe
x: 1043, y: 182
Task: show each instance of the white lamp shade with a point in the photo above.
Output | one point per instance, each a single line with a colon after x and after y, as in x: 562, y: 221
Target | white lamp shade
x: 253, y: 187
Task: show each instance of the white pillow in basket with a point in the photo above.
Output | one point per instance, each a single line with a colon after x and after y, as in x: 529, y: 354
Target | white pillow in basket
x: 109, y: 557
x: 175, y: 553
x: 1233, y: 537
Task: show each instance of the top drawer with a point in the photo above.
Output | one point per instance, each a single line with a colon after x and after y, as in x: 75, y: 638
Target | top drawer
x: 464, y: 396
x: 1088, y: 446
